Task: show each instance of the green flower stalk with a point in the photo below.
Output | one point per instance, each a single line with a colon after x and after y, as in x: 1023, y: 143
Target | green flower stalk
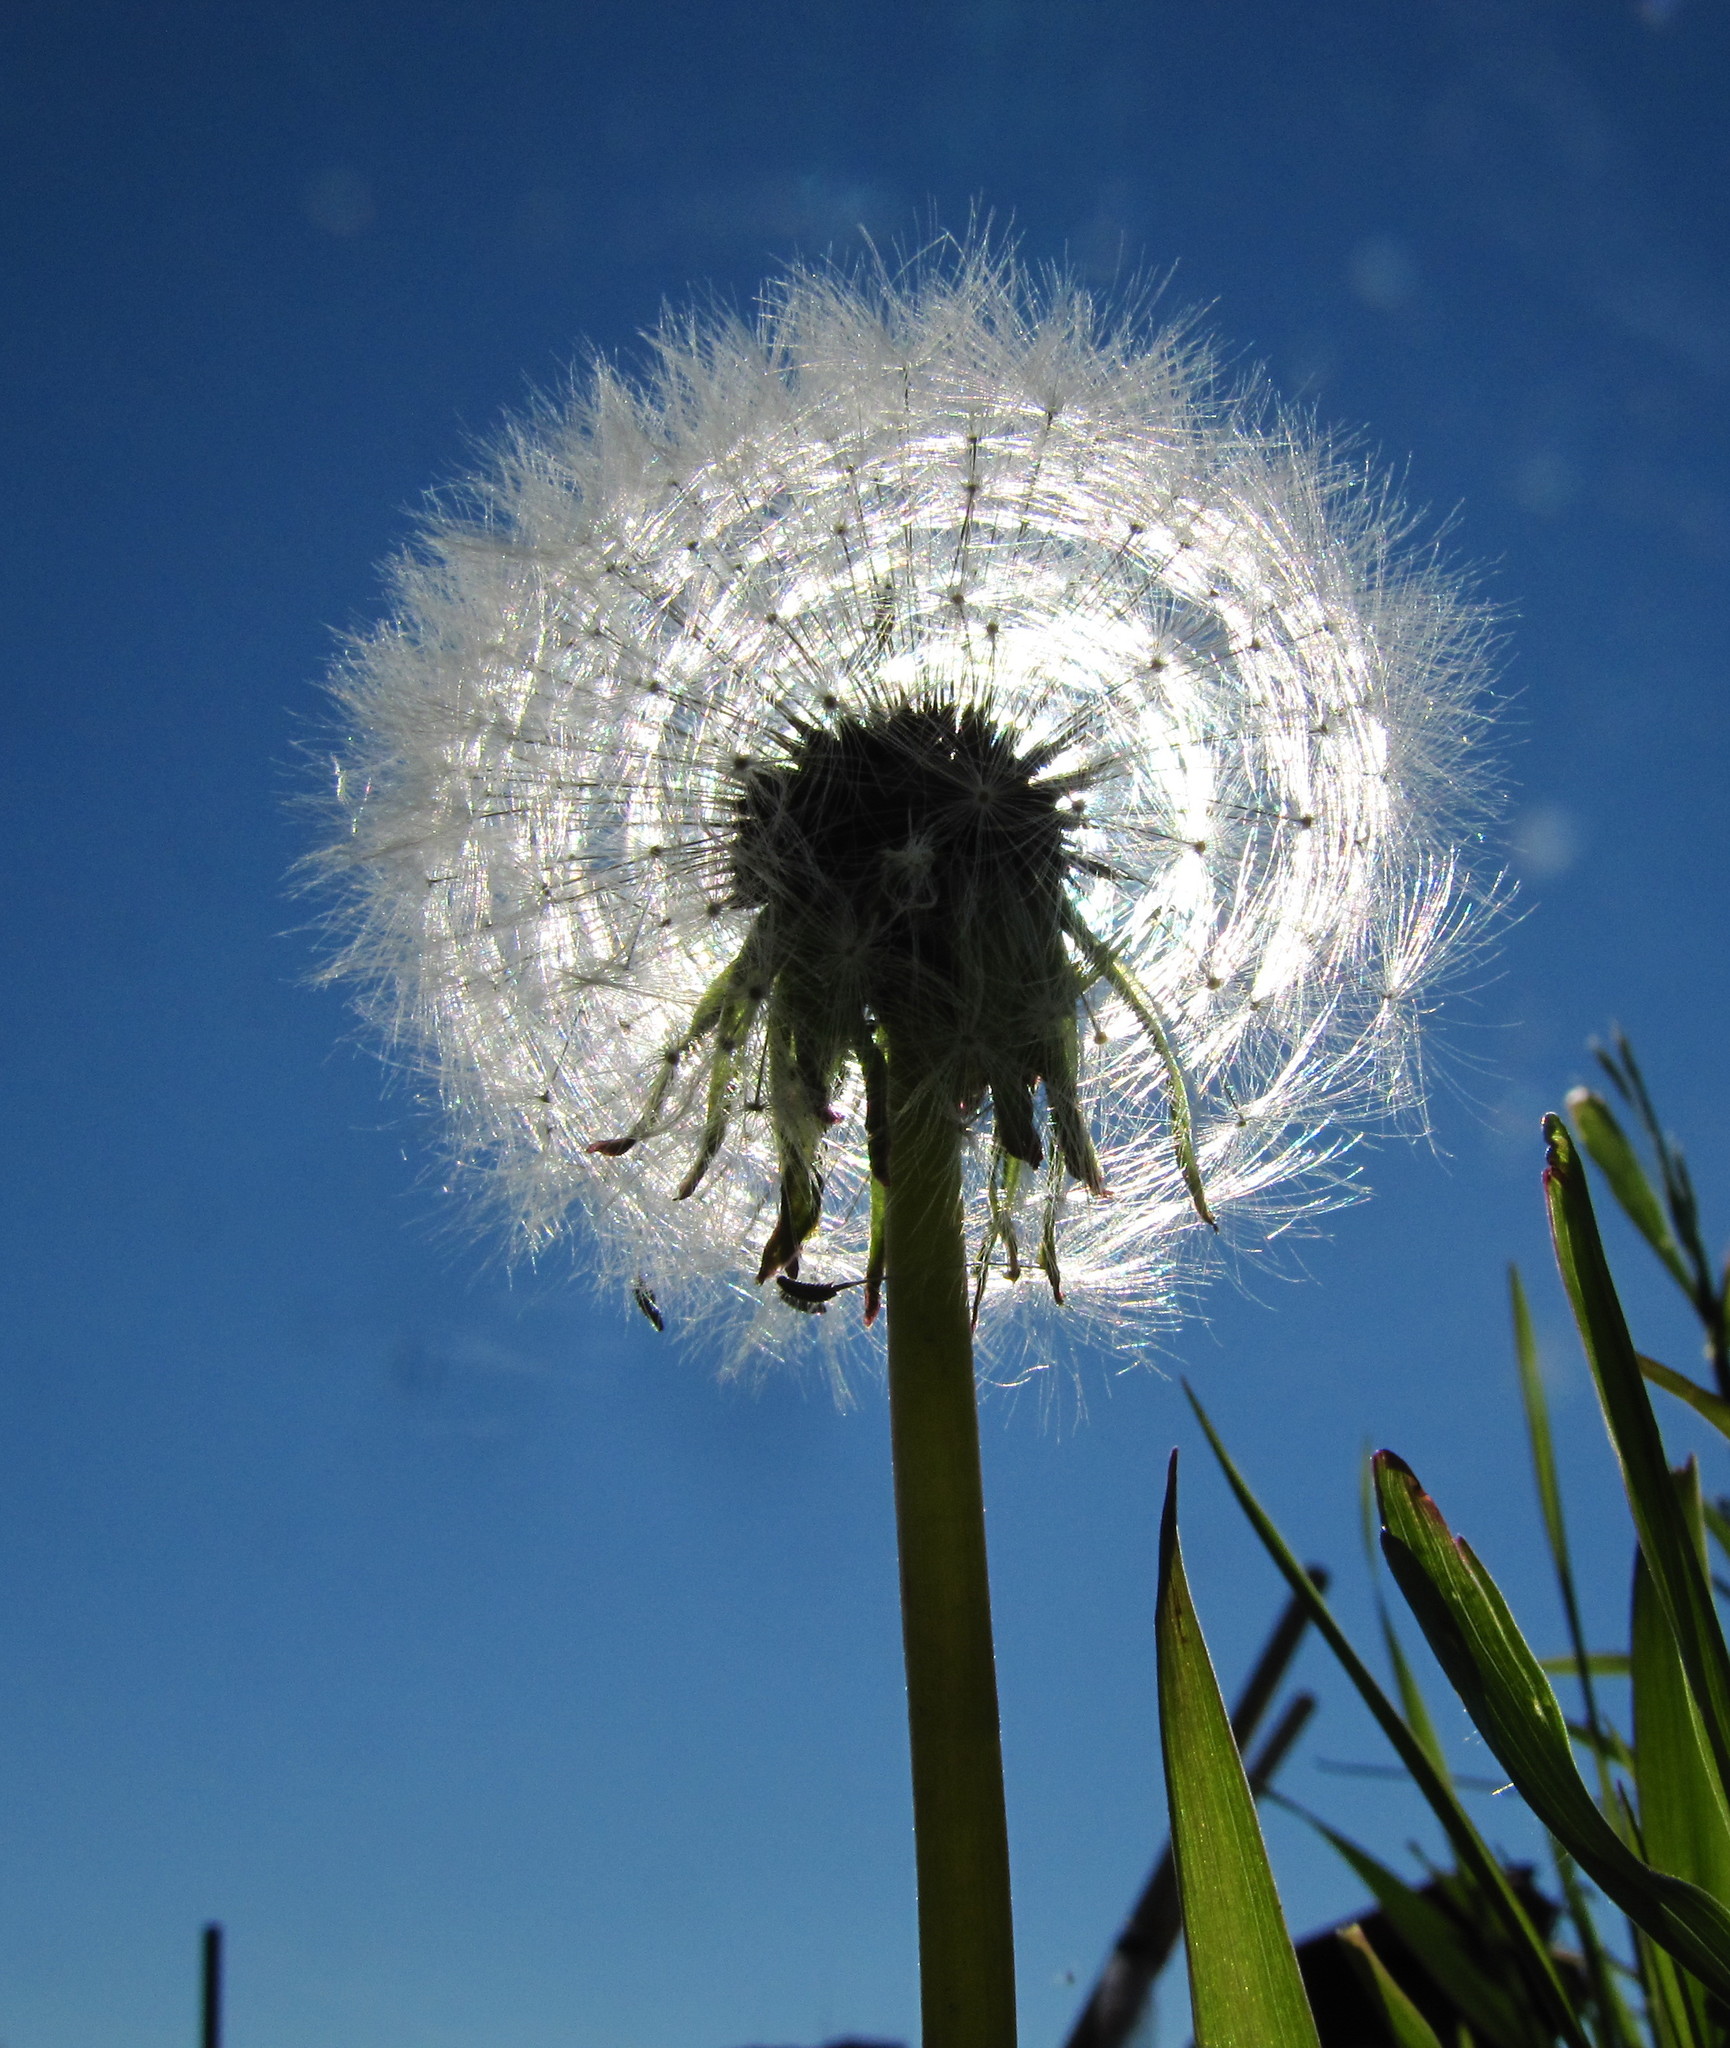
x: 926, y: 802
x: 966, y: 1944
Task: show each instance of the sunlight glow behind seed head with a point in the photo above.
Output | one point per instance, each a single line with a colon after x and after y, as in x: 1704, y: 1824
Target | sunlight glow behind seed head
x: 945, y: 488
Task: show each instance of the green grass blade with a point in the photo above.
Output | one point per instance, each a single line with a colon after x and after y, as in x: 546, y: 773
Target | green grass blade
x: 1412, y: 1702
x: 1538, y: 1428
x: 1709, y: 1293
x: 1616, y: 2026
x: 1684, y: 1820
x: 1550, y: 1503
x: 1244, y: 1986
x: 1615, y: 1158
x: 1472, y: 1853
x: 1433, y: 1938
x: 1269, y: 1670
x: 1601, y: 1664
x: 1116, y: 2004
x: 1669, y: 2006
x: 1684, y: 1827
x: 1677, y: 1572
x: 1712, y: 1407
x: 1604, y: 1740
x: 1479, y: 1646
x: 1405, y: 2023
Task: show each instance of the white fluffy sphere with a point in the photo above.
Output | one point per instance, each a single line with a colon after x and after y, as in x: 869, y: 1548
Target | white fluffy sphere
x: 1253, y: 721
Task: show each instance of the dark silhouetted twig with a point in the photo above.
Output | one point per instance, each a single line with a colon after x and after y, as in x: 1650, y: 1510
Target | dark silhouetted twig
x: 210, y: 1998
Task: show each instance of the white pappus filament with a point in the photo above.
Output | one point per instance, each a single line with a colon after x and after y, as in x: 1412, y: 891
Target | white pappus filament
x: 634, y: 684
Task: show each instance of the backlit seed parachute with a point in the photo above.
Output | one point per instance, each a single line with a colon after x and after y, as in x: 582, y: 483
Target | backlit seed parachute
x: 926, y: 670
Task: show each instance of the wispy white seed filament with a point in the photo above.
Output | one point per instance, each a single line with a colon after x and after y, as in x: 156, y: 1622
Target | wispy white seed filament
x: 948, y: 489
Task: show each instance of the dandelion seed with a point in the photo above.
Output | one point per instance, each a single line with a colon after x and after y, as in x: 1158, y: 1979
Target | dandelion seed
x: 930, y: 662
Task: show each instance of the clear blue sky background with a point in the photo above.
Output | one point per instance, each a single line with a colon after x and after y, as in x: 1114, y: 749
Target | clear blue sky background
x: 499, y: 1680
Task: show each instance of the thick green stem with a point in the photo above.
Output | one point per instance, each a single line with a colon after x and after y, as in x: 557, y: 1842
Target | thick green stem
x: 966, y: 1947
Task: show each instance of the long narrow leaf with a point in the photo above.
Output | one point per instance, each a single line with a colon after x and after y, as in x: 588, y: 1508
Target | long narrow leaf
x: 1116, y: 2003
x: 1538, y: 1429
x: 1680, y: 1204
x: 1668, y: 2005
x: 1604, y: 1740
x: 1244, y: 1986
x: 1711, y: 1406
x: 1413, y: 1705
x: 1550, y: 1503
x: 1684, y: 1828
x: 1479, y: 1646
x: 1616, y: 1159
x: 1616, y: 2028
x: 1684, y: 1820
x: 1436, y: 1942
x: 1677, y: 1573
x: 1475, y: 1860
x: 1404, y: 2021
x: 1412, y: 1701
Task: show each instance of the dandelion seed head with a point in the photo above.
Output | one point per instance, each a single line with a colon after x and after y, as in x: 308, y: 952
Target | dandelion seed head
x: 887, y: 667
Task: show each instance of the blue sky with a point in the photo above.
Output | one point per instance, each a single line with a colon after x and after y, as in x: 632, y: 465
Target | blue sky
x: 490, y: 1671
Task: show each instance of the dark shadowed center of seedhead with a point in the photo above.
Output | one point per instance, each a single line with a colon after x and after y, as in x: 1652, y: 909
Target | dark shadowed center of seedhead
x: 913, y: 865
x: 909, y: 872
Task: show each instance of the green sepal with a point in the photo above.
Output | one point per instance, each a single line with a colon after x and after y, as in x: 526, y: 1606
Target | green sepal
x: 1105, y: 963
